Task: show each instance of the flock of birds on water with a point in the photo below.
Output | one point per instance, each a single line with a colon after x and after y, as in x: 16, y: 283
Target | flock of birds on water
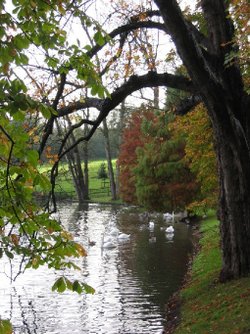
x: 114, y: 236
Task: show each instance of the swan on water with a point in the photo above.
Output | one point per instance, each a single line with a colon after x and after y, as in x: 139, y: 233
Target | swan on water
x: 168, y: 216
x: 170, y: 229
x: 108, y: 242
x: 151, y: 225
x: 108, y: 245
x: 114, y: 231
x: 123, y: 236
x: 170, y: 236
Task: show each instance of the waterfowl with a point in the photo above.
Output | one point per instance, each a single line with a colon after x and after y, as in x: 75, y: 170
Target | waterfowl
x: 114, y: 231
x: 170, y: 229
x: 123, y: 236
x: 151, y: 225
x: 167, y: 216
x: 91, y: 242
x: 170, y: 236
x: 108, y: 245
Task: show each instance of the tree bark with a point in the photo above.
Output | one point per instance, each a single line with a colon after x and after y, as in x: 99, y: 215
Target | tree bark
x: 122, y: 115
x: 234, y: 202
x: 221, y: 89
x: 76, y: 169
x: 109, y: 160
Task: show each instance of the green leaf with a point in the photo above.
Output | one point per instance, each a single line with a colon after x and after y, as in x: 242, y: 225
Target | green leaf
x: 33, y: 157
x: 99, y: 38
x: 22, y: 59
x: 9, y: 254
x: 21, y: 42
x: 19, y: 116
x: 88, y: 289
x: 43, y: 181
x: 60, y: 285
x: 77, y: 287
x: 45, y: 111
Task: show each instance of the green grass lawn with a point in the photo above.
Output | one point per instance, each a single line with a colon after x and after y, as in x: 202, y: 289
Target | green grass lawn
x: 207, y: 305
x: 99, y: 189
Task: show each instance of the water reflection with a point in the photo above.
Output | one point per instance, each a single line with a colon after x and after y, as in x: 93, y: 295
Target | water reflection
x: 133, y: 281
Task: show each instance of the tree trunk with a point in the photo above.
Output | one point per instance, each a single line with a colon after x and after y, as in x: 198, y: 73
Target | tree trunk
x: 234, y: 202
x: 109, y: 160
x: 75, y: 166
x: 122, y: 115
x: 86, y: 158
x: 86, y: 168
x: 156, y: 97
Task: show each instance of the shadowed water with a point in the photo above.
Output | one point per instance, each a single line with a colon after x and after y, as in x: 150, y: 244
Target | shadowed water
x: 133, y: 281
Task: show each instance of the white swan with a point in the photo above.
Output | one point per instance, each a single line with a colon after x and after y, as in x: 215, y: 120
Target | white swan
x: 170, y: 230
x: 114, y: 231
x: 167, y: 216
x: 108, y: 242
x: 108, y: 245
x: 151, y: 225
x: 170, y: 236
x: 123, y: 236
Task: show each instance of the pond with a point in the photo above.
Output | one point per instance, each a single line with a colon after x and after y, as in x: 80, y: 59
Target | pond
x: 133, y: 280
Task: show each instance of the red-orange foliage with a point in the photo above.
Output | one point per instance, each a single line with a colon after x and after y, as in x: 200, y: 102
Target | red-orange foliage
x: 132, y: 139
x: 163, y: 180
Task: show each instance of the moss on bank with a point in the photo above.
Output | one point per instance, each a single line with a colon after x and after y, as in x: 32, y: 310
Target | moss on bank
x: 208, y: 306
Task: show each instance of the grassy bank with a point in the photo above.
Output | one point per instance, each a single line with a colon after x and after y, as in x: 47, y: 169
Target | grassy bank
x: 207, y: 305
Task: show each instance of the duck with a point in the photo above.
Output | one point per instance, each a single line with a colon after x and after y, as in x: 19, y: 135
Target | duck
x: 91, y: 242
x: 170, y: 230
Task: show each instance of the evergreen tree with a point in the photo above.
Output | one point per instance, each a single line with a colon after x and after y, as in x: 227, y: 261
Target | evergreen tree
x: 163, y: 180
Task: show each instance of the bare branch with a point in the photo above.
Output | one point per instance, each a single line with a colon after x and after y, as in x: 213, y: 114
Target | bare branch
x: 49, y: 126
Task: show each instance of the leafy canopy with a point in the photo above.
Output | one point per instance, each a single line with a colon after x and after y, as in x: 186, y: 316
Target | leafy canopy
x: 26, y: 230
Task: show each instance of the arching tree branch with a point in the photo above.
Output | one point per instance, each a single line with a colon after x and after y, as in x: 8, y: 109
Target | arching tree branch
x: 134, y: 83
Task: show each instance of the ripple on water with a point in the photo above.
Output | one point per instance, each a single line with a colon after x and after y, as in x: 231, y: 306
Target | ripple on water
x: 130, y: 281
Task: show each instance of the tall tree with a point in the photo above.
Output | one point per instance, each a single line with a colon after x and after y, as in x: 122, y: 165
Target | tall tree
x: 127, y: 160
x: 196, y: 130
x: 163, y: 179
x: 221, y: 89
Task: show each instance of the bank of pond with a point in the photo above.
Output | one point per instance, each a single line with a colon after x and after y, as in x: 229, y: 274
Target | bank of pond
x: 208, y: 306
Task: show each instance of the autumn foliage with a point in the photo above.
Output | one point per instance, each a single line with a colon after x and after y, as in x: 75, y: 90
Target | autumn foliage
x: 153, y: 171
x: 168, y: 162
x: 131, y: 140
x: 200, y: 155
x: 163, y: 179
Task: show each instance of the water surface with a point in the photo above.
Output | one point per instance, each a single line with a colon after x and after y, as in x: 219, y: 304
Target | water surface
x: 132, y: 281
